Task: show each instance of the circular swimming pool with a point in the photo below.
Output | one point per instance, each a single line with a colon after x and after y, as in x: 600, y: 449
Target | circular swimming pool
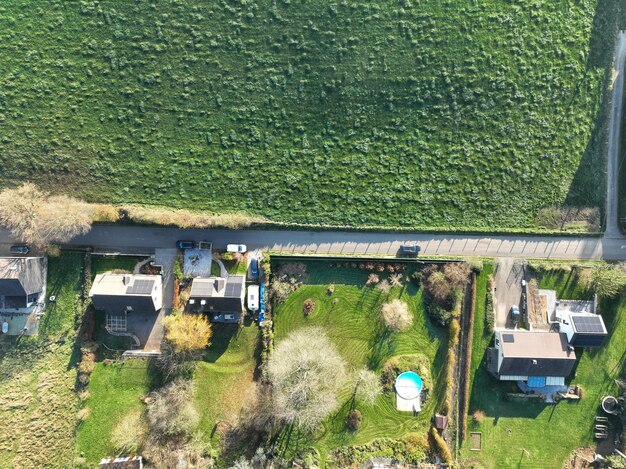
x: 409, y: 385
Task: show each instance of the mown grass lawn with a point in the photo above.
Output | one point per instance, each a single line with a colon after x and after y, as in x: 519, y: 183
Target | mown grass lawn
x: 115, y: 390
x: 102, y: 264
x: 368, y: 112
x: 529, y: 434
x: 37, y: 375
x: 351, y: 318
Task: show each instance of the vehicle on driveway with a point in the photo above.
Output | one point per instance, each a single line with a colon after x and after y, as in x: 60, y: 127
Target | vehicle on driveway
x: 236, y: 248
x: 410, y: 249
x: 515, y: 315
x: 205, y: 245
x: 185, y: 244
x: 19, y: 249
x: 253, y: 298
x: 254, y: 268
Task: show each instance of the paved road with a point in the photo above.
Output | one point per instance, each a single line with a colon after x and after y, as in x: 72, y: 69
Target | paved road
x: 146, y: 239
x: 612, y: 196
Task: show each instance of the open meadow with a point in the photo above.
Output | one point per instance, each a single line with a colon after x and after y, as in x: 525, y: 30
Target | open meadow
x: 427, y: 113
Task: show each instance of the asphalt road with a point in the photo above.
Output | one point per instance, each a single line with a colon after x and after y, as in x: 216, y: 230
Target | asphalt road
x: 147, y: 238
x: 612, y: 197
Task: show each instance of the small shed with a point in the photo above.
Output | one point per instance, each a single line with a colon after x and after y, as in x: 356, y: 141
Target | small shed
x: 441, y: 422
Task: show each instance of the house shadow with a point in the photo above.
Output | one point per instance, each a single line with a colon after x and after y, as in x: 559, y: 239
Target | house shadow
x: 222, y: 335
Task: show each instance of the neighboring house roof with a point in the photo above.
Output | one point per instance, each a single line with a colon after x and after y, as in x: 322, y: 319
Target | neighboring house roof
x: 114, y: 293
x: 21, y: 276
x: 218, y: 293
x: 535, y: 354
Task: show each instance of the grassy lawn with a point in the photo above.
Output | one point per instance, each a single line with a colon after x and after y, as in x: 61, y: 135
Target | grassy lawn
x: 529, y: 434
x: 114, y: 391
x: 37, y: 376
x: 415, y: 113
x: 351, y: 318
x: 102, y: 264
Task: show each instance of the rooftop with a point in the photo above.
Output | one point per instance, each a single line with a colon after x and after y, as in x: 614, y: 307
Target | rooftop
x: 21, y: 275
x: 218, y: 287
x: 517, y: 344
x: 123, y: 284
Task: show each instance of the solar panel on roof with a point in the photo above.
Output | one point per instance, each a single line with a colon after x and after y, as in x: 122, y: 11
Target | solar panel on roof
x: 233, y: 287
x: 140, y: 287
x: 588, y: 324
x: 509, y: 338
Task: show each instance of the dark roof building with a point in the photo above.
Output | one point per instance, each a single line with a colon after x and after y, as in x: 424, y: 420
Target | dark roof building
x: 221, y: 298
x: 22, y: 281
x: 121, y: 293
x: 519, y: 355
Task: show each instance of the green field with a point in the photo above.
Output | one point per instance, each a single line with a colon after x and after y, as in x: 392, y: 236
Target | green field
x: 455, y: 113
x: 528, y: 434
x: 37, y: 376
x: 351, y: 318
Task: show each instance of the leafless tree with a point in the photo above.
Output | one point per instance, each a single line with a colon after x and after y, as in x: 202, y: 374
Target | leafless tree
x: 305, y: 372
x: 367, y: 386
x: 396, y: 315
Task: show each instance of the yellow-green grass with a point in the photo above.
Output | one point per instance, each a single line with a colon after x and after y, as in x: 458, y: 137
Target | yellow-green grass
x: 351, y: 318
x: 114, y: 391
x: 223, y: 381
x: 528, y: 434
x: 101, y: 264
x: 37, y: 376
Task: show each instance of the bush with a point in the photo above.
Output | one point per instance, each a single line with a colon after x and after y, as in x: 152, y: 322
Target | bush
x: 439, y: 314
x: 478, y: 416
x: 384, y: 286
x: 440, y: 446
x: 187, y: 332
x: 372, y: 279
x: 330, y: 290
x: 354, y: 420
x: 396, y: 315
x: 490, y: 315
x: 171, y: 410
x: 309, y: 305
x: 608, y: 281
x: 130, y: 433
x: 367, y: 386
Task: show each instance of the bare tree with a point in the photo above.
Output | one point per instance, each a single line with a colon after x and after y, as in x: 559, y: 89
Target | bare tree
x: 306, y: 372
x: 171, y: 411
x: 367, y: 386
x: 396, y: 315
x: 130, y: 433
x: 36, y: 217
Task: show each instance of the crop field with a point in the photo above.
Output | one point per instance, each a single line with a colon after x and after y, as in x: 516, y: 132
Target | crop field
x: 440, y: 113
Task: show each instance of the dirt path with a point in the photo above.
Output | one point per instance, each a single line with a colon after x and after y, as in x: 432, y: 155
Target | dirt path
x: 612, y: 196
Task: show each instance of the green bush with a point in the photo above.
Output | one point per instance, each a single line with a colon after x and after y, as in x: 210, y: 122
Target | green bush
x: 440, y: 446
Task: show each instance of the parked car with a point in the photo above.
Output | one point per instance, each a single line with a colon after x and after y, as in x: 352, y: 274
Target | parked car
x: 254, y: 267
x: 236, y: 248
x: 205, y: 245
x: 410, y: 249
x: 185, y: 244
x: 515, y: 316
x: 19, y: 249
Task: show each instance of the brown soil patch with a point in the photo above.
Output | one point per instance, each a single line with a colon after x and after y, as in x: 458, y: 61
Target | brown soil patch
x: 580, y: 458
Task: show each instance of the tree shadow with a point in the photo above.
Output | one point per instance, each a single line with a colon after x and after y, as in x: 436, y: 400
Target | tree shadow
x: 222, y: 335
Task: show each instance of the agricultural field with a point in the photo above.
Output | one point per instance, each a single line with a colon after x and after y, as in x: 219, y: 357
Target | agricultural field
x: 431, y: 113
x: 530, y: 434
x: 351, y: 318
x: 37, y: 376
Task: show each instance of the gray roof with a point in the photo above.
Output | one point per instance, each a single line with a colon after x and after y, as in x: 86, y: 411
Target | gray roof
x: 21, y: 276
x: 535, y: 354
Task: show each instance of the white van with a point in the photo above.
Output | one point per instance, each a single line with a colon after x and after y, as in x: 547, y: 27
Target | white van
x: 253, y: 297
x: 236, y: 248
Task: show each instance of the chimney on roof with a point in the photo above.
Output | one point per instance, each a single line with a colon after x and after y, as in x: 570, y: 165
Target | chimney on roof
x: 534, y: 362
x: 219, y: 284
x: 126, y: 279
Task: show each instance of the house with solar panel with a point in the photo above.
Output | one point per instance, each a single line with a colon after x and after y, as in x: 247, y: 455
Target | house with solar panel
x: 131, y: 303
x: 537, y: 358
x: 222, y: 299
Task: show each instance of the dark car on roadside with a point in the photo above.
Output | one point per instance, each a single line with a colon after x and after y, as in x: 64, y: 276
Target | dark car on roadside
x: 254, y: 267
x: 19, y: 249
x: 410, y: 249
x: 185, y: 244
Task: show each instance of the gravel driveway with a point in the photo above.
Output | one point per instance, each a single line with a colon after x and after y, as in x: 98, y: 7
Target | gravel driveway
x: 509, y: 273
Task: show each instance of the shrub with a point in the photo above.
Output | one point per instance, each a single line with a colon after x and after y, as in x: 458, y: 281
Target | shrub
x: 440, y: 446
x: 439, y: 314
x: 608, y: 281
x: 384, y: 286
x: 354, y: 420
x: 490, y: 315
x: 372, y: 279
x: 309, y: 305
x: 330, y: 290
x: 478, y: 416
x: 396, y: 315
x: 367, y: 386
x: 130, y: 433
x: 395, y: 280
x: 171, y: 410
